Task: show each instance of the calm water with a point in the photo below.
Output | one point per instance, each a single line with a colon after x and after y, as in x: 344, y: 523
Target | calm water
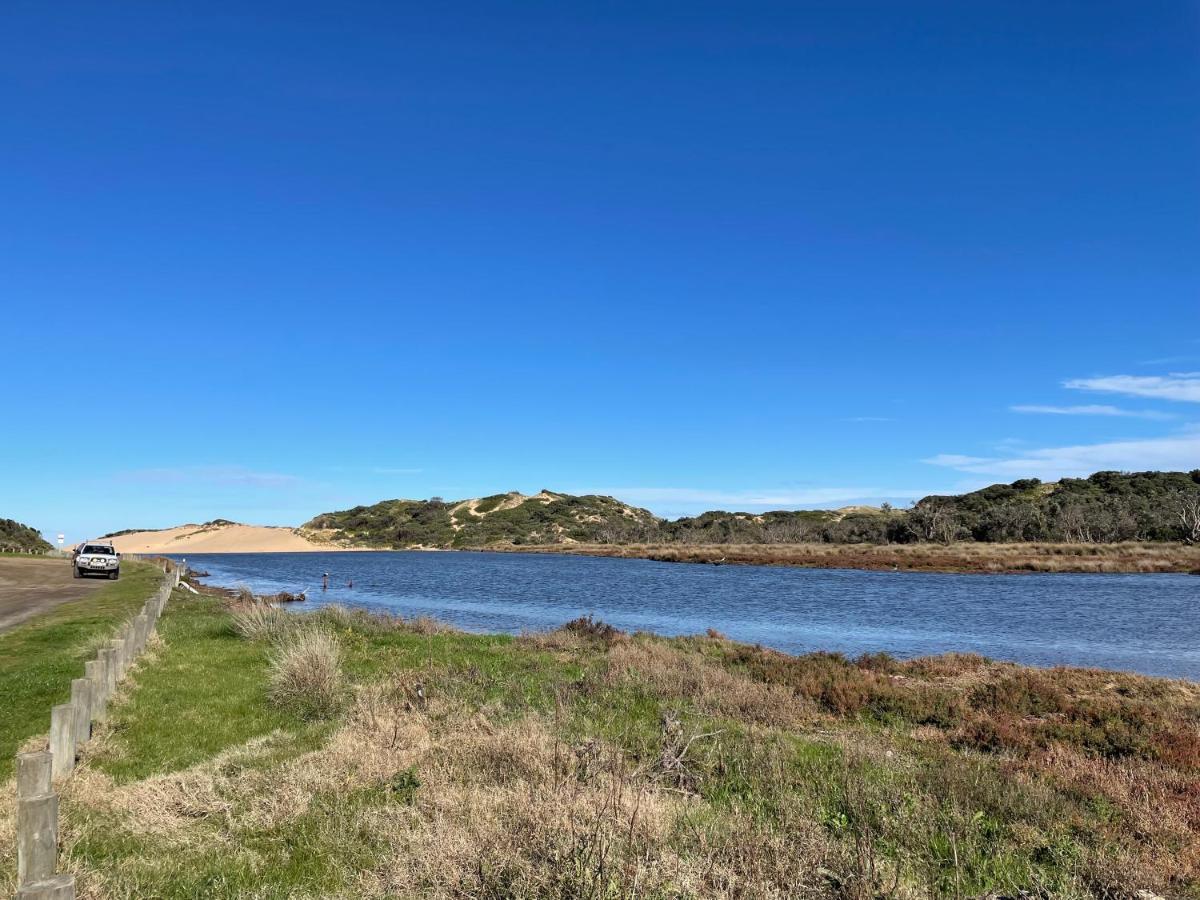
x: 1143, y: 623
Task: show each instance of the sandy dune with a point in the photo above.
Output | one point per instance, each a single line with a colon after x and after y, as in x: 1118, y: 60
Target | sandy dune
x: 219, y: 539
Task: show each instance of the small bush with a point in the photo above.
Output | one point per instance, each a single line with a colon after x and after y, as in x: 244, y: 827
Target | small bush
x: 596, y: 629
x: 306, y: 673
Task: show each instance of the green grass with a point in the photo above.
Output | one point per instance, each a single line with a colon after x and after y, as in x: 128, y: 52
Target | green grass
x: 881, y: 801
x: 203, y: 696
x: 40, y: 657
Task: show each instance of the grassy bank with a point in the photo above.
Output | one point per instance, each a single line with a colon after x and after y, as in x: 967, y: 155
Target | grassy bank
x: 956, y: 557
x: 589, y: 763
x: 39, y: 658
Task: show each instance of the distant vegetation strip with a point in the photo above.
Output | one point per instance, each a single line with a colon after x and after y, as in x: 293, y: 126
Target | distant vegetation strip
x: 1108, y: 507
x: 966, y: 557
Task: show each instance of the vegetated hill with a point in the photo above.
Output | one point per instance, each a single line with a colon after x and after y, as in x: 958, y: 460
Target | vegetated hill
x: 18, y: 538
x: 1106, y: 507
x: 512, y: 518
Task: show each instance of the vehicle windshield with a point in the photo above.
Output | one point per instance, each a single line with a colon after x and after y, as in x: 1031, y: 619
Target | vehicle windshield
x: 98, y: 548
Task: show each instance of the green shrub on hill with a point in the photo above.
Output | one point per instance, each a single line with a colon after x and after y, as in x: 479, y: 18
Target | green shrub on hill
x: 18, y: 538
x: 1103, y: 508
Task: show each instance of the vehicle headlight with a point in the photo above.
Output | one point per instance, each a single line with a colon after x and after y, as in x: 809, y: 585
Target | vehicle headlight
x: 112, y: 562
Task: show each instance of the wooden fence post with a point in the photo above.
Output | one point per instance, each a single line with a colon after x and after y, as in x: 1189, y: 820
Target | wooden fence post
x: 60, y: 887
x: 108, y: 660
x: 118, y: 659
x: 33, y: 773
x: 62, y: 739
x: 37, y: 838
x: 81, y: 702
x: 95, y: 674
x: 129, y: 638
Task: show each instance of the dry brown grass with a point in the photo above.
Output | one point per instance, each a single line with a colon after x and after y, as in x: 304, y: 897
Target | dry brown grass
x: 377, y: 741
x: 512, y: 812
x: 1159, y: 803
x: 711, y: 689
x: 958, y: 557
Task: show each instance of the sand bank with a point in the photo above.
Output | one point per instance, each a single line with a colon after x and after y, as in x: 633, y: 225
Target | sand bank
x: 221, y: 539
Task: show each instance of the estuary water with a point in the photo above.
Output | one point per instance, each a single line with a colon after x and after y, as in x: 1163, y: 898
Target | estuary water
x: 1140, y: 623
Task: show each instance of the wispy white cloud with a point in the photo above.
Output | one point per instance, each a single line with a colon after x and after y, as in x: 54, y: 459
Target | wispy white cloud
x: 219, y: 475
x: 1181, y: 386
x: 1093, y: 409
x: 1177, y: 452
x: 957, y: 461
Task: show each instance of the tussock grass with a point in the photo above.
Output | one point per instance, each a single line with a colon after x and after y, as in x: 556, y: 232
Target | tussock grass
x: 306, y: 672
x: 258, y: 621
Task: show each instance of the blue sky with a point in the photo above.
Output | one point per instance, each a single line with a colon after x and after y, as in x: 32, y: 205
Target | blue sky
x: 264, y: 260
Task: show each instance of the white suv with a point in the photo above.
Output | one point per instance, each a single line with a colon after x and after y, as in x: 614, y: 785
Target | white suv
x: 97, y: 559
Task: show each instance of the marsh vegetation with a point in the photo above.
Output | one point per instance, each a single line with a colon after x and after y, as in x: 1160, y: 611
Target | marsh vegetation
x: 587, y: 762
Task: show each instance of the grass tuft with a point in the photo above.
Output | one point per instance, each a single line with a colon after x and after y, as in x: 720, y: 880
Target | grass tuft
x: 306, y: 673
x: 261, y: 622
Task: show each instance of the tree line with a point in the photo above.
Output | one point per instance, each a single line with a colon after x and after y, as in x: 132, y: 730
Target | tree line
x: 1106, y: 507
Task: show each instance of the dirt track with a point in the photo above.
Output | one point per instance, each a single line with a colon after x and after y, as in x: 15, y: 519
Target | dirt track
x: 32, y: 586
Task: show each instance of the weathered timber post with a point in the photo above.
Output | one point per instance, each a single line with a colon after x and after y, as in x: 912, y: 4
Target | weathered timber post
x: 130, y: 639
x: 62, y: 739
x: 37, y: 838
x: 95, y: 674
x: 33, y: 773
x: 60, y: 887
x: 81, y: 702
x: 118, y: 658
x: 109, y: 662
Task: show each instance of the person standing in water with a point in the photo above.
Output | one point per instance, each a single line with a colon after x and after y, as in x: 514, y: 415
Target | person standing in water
x: 325, y: 582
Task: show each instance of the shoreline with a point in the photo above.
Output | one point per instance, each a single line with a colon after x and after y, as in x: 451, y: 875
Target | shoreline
x: 237, y: 596
x: 960, y: 558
